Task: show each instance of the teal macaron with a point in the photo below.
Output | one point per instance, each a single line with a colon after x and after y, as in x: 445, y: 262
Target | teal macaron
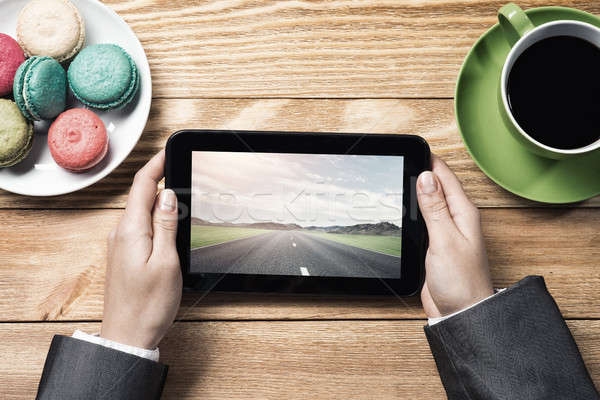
x: 40, y: 88
x: 104, y: 76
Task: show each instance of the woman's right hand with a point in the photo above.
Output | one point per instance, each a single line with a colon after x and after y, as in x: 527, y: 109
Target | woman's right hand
x: 457, y: 272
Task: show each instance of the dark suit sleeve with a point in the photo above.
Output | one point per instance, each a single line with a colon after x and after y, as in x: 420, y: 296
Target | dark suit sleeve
x: 514, y: 345
x: 76, y: 369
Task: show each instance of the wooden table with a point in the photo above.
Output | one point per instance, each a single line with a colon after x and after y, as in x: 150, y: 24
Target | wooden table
x: 350, y: 66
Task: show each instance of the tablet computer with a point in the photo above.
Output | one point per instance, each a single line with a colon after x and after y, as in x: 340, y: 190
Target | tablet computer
x: 293, y: 212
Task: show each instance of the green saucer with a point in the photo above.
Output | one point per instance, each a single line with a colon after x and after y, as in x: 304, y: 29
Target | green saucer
x: 492, y: 146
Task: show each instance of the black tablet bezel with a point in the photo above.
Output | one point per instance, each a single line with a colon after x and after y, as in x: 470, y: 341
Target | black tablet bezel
x: 416, y: 154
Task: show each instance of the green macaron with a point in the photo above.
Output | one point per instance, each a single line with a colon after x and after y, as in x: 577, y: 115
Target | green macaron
x: 40, y: 88
x: 16, y: 134
x: 104, y: 76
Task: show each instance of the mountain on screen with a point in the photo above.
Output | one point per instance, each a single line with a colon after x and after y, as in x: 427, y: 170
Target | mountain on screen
x: 381, y: 228
x: 256, y: 225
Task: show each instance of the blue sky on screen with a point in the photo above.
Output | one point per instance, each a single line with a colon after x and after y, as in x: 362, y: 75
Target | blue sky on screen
x: 305, y: 189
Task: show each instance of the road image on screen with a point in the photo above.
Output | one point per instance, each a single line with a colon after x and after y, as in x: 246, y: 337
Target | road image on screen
x: 296, y: 214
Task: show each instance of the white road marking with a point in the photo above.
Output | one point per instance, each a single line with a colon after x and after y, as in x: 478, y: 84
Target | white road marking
x: 304, y: 271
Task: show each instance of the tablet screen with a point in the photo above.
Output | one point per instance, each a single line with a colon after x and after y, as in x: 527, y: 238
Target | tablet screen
x: 296, y: 214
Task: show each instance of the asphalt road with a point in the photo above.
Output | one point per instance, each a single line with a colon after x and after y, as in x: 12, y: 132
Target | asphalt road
x: 292, y: 253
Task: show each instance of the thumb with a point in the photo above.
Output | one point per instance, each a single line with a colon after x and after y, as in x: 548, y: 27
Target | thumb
x: 164, y: 222
x: 434, y: 208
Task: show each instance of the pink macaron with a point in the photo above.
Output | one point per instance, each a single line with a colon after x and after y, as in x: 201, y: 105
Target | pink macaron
x: 11, y: 57
x: 77, y: 140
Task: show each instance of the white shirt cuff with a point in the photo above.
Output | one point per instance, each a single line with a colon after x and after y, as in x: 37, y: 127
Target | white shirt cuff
x: 437, y: 320
x: 152, y: 355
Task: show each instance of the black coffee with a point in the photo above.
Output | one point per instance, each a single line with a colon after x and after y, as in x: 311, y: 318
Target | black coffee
x: 554, y: 92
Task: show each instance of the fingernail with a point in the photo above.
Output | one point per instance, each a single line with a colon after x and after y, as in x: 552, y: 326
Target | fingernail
x: 168, y: 201
x: 428, y: 183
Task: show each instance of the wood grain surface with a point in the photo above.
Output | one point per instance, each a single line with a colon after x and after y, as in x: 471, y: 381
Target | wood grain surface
x: 52, y: 268
x: 334, y: 49
x: 432, y: 119
x: 372, y: 66
x: 274, y: 360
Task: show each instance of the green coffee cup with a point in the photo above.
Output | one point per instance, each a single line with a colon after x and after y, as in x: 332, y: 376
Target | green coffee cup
x: 521, y: 33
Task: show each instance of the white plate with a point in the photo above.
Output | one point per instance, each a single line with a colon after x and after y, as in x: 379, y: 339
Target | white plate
x: 38, y: 174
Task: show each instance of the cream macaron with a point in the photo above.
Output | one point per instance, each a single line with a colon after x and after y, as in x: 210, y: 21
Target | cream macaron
x: 52, y: 28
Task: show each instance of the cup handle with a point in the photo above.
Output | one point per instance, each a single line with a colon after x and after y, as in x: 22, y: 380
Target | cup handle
x: 514, y: 22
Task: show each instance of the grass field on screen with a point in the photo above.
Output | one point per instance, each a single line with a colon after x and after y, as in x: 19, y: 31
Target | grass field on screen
x: 391, y: 245
x: 202, y: 235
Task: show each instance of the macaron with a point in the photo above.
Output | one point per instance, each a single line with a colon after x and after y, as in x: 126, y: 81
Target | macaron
x: 40, y: 88
x: 11, y: 57
x: 52, y: 28
x: 104, y: 76
x: 16, y: 134
x: 77, y: 140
